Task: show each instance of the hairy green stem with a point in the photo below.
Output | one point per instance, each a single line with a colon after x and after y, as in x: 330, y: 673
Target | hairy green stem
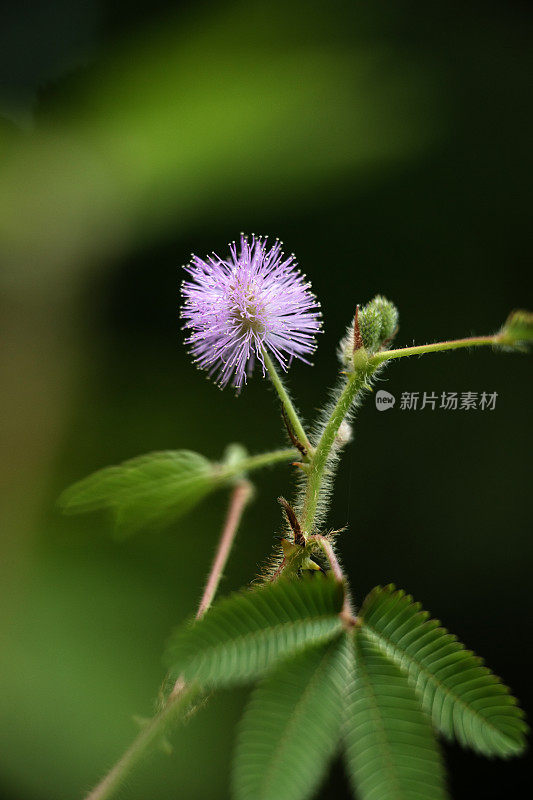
x: 355, y: 382
x: 454, y: 344
x: 250, y: 463
x: 286, y: 401
x: 316, y: 472
x: 153, y: 731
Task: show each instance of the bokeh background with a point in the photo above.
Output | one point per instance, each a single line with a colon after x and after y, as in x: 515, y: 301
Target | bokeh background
x: 388, y: 145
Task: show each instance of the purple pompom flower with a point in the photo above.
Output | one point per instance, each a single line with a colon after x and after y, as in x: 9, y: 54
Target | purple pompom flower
x: 254, y: 301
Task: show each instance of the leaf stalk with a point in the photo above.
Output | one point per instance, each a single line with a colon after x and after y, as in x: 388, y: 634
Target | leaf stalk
x: 181, y: 693
x: 287, y: 404
x: 454, y: 344
x: 239, y: 498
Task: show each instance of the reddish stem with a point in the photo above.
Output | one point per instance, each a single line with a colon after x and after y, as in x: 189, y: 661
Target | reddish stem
x: 240, y: 496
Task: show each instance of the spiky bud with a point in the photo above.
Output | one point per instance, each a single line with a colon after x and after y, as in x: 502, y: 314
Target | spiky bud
x: 378, y: 323
x: 372, y: 329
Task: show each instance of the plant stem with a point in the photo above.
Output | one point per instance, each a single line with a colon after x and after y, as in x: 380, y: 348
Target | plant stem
x: 239, y: 498
x: 330, y: 555
x: 336, y: 569
x: 181, y: 692
x: 140, y: 746
x: 355, y: 382
x: 291, y: 412
x: 315, y: 477
x: 454, y: 344
x: 257, y: 462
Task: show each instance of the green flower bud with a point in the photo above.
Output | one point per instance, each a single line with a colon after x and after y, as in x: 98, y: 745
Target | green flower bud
x: 372, y: 329
x: 387, y: 314
x: 517, y: 331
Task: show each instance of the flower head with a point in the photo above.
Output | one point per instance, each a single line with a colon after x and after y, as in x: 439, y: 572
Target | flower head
x: 236, y: 309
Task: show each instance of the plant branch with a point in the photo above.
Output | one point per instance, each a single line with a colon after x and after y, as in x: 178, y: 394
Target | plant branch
x: 181, y: 693
x: 239, y: 498
x: 286, y: 401
x: 454, y: 344
x: 257, y: 462
x: 153, y: 731
x: 315, y: 477
x: 330, y: 555
x: 329, y: 552
x: 354, y: 384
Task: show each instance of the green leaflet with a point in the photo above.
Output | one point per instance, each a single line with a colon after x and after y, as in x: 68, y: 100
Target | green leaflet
x: 462, y: 696
x: 150, y: 489
x: 391, y: 752
x: 243, y: 635
x: 292, y: 724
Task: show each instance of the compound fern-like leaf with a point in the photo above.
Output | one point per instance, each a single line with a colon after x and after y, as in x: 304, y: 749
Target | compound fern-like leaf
x: 292, y: 725
x: 391, y: 751
x: 243, y: 635
x: 151, y: 489
x: 464, y: 698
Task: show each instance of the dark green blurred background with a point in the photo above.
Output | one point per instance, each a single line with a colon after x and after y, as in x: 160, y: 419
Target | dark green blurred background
x: 389, y: 146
